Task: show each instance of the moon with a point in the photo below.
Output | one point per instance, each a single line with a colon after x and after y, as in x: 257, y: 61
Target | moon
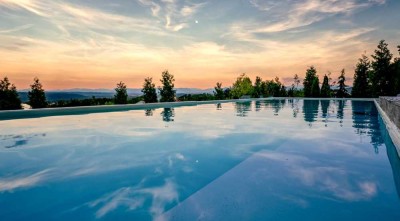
x: 197, y: 22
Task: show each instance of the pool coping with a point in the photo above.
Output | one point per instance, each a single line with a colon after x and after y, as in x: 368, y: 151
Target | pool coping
x: 393, y: 130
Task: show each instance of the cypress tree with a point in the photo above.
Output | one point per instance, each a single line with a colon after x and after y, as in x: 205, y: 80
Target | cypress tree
x: 311, y: 83
x: 37, y: 96
x: 167, y: 91
x: 257, y: 88
x: 219, y: 92
x: 342, y: 91
x: 121, y: 96
x: 396, y: 70
x: 325, y: 88
x: 382, y: 77
x: 315, y: 90
x: 360, y: 83
x: 149, y: 91
x: 296, y: 80
x: 9, y: 99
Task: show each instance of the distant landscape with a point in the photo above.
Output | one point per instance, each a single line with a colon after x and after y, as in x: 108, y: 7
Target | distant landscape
x: 83, y: 93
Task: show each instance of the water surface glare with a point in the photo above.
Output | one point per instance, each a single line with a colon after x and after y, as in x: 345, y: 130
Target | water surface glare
x: 284, y: 160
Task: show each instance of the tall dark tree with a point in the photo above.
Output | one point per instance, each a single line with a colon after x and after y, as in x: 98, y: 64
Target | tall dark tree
x: 9, y: 99
x: 121, y: 95
x: 311, y: 83
x: 325, y: 88
x: 296, y: 80
x: 257, y: 88
x: 342, y: 91
x: 37, y: 96
x: 167, y: 91
x: 149, y: 91
x: 315, y: 90
x: 396, y: 71
x: 219, y: 92
x: 382, y: 77
x: 227, y: 93
x: 360, y: 83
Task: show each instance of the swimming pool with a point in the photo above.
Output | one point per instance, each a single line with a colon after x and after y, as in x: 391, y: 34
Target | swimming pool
x: 284, y: 159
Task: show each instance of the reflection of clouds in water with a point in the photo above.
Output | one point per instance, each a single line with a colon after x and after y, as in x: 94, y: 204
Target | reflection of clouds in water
x: 177, y: 156
x: 337, y: 181
x: 295, y: 200
x: 91, y: 147
x: 133, y: 198
x: 16, y: 182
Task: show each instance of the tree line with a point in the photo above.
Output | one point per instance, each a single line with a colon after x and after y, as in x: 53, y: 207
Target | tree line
x: 378, y: 76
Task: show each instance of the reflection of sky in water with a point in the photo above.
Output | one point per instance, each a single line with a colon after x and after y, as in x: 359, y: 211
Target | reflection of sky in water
x: 261, y: 160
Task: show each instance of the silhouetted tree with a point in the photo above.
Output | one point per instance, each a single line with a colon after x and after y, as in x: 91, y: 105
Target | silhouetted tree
x: 275, y: 88
x: 227, y: 93
x: 291, y: 91
x: 296, y: 80
x: 294, y: 91
x: 257, y: 90
x: 382, y: 78
x: 342, y: 91
x: 396, y: 71
x: 37, y: 96
x: 219, y: 92
x: 264, y: 89
x: 167, y: 91
x: 242, y: 86
x: 325, y: 88
x: 311, y: 83
x: 121, y: 96
x: 315, y: 91
x: 360, y: 83
x: 9, y: 99
x: 149, y: 91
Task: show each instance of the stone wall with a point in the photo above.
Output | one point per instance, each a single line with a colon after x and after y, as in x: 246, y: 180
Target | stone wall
x: 391, y: 106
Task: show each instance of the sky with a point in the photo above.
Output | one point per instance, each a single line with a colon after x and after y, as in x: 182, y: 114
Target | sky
x: 97, y: 43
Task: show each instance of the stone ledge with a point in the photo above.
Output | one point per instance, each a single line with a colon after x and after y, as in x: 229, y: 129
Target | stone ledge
x: 393, y: 130
x: 391, y: 106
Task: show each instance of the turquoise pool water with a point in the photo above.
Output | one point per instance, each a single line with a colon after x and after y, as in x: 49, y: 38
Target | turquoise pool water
x: 260, y: 160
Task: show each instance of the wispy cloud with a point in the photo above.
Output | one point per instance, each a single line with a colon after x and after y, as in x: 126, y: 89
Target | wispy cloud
x: 267, y: 38
x: 289, y: 14
x: 37, y: 7
x: 174, y: 13
x: 16, y: 29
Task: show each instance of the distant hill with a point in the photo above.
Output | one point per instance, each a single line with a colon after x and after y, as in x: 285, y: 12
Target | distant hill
x: 83, y: 93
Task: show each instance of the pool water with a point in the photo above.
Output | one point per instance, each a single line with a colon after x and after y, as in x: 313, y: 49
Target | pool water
x: 262, y: 160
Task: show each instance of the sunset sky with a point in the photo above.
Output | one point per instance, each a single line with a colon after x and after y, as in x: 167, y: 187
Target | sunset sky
x: 97, y: 43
